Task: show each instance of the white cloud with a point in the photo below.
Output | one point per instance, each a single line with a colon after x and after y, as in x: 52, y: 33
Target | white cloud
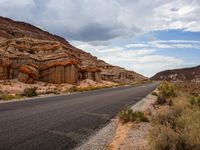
x: 166, y: 44
x: 101, y: 20
x: 141, y: 60
x: 136, y: 45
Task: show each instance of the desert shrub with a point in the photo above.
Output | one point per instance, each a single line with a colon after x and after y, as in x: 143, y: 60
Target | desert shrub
x: 176, y: 129
x: 166, y: 91
x: 168, y: 118
x: 72, y: 89
x: 30, y: 92
x: 141, y: 117
x: 188, y: 129
x: 162, y: 138
x: 76, y: 89
x: 128, y: 115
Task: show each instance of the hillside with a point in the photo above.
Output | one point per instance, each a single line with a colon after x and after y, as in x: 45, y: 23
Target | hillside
x: 179, y: 75
x: 31, y: 54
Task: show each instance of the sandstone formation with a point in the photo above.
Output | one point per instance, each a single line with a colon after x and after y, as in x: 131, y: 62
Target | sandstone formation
x: 31, y: 54
x: 180, y: 75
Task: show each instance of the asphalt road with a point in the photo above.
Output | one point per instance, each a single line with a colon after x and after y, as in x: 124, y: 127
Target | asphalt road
x: 62, y: 122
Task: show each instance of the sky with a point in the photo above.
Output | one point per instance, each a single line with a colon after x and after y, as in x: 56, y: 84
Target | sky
x: 140, y: 35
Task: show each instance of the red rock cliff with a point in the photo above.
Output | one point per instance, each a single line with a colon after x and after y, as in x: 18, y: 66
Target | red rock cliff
x: 29, y: 53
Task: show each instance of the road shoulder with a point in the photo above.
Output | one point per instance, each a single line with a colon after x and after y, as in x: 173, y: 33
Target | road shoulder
x: 116, y: 135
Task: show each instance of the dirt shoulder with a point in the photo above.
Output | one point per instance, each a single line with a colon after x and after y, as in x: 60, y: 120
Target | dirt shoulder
x: 131, y: 136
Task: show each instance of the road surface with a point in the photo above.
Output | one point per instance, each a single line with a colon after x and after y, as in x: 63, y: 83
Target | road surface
x: 62, y: 122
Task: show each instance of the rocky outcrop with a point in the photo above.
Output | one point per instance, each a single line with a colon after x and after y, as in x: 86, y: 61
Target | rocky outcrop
x: 30, y: 54
x: 28, y: 73
x: 29, y: 60
x: 179, y: 75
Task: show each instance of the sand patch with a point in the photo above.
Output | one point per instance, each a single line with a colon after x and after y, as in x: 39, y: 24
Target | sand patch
x: 134, y: 136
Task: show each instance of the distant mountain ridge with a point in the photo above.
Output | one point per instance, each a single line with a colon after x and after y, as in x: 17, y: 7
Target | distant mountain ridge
x: 31, y: 54
x: 191, y: 74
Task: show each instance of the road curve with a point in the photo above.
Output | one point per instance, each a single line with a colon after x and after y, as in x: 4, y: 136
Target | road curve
x: 62, y: 122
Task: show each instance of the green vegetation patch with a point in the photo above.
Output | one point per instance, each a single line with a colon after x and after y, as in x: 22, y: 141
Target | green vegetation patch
x: 128, y: 115
x: 30, y: 92
x: 166, y: 91
x: 7, y: 97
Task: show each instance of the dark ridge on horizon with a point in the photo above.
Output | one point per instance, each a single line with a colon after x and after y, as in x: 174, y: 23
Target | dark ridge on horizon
x: 181, y: 74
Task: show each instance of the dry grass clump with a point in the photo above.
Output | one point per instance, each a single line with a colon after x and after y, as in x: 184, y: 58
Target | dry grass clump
x: 129, y: 115
x: 177, y: 128
x: 7, y: 97
x: 89, y: 88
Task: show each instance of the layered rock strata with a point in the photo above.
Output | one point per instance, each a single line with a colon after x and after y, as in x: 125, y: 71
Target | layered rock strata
x: 31, y: 54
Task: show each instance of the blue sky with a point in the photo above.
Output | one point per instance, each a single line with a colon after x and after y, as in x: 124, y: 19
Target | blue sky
x: 144, y: 36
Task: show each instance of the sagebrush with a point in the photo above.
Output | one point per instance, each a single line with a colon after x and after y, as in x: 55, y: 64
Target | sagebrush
x: 129, y: 115
x: 177, y: 128
x: 166, y: 91
x: 30, y: 92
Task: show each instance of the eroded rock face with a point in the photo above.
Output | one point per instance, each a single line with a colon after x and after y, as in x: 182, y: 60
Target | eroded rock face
x: 30, y: 54
x: 60, y: 74
x: 28, y: 73
x: 30, y: 60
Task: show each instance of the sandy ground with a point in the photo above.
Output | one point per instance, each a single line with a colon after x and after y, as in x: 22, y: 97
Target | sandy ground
x: 137, y: 138
x: 87, y: 83
x: 134, y: 136
x: 120, y: 135
x: 16, y: 87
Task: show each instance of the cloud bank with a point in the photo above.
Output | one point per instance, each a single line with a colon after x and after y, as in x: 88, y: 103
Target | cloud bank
x: 142, y: 58
x: 101, y: 20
